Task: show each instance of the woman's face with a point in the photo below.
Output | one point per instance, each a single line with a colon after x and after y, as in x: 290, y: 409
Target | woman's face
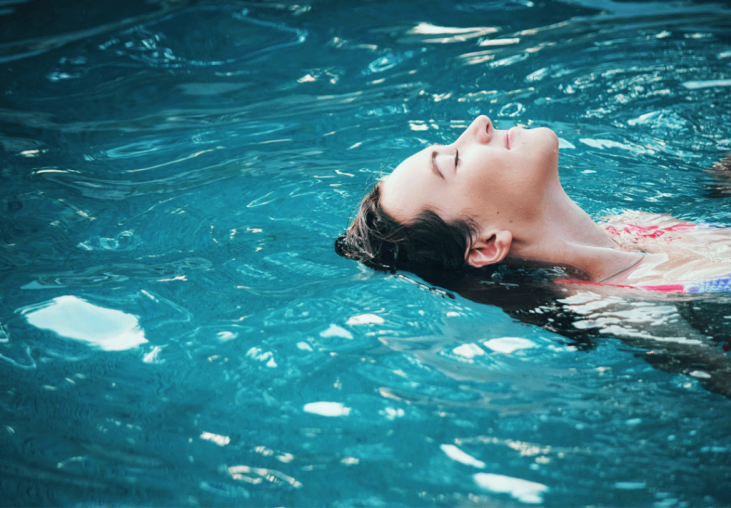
x: 495, y: 177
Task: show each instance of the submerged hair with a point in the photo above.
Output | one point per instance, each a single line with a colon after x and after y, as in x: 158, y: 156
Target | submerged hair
x: 381, y: 242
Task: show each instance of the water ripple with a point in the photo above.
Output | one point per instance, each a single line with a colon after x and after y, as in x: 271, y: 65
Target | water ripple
x: 162, y: 44
x: 185, y: 172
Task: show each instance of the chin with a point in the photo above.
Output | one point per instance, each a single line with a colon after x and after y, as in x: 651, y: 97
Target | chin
x: 545, y: 144
x: 547, y: 135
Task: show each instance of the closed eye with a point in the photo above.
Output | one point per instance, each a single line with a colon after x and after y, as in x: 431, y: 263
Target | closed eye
x: 434, y: 167
x: 456, y: 159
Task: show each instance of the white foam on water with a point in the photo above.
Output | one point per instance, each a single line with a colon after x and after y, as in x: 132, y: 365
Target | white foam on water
x: 75, y: 318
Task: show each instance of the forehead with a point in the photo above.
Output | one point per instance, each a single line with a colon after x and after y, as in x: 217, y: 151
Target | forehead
x: 412, y: 163
x: 405, y: 192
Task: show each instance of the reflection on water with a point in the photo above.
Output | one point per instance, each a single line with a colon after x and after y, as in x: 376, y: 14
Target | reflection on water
x: 173, y: 175
x: 74, y: 318
x: 522, y: 490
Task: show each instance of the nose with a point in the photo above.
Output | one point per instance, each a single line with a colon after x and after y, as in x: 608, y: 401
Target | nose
x: 479, y: 131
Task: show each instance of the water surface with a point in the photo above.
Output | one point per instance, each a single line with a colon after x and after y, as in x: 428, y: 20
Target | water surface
x: 175, y: 327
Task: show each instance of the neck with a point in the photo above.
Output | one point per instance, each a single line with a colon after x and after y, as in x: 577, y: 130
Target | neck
x: 561, y: 233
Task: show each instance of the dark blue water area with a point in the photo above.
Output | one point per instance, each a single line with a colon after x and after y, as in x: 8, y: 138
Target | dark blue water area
x: 176, y: 328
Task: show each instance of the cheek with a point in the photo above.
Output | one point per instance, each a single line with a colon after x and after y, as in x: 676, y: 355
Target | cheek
x: 506, y: 190
x: 474, y: 198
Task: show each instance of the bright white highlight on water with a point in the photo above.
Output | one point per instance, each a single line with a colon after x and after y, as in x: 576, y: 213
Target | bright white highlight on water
x: 500, y: 42
x: 700, y: 374
x: 715, y: 449
x: 216, y: 438
x: 429, y: 29
x: 623, y: 318
x: 449, y: 34
x: 153, y: 356
x: 365, y: 319
x: 336, y: 331
x: 74, y: 318
x: 455, y: 453
x: 468, y: 350
x: 605, y: 143
x: 327, y: 409
x: 694, y: 85
x: 579, y: 298
x: 246, y: 473
x: 508, y: 345
x: 522, y: 490
x: 663, y: 118
x: 630, y: 485
x: 392, y: 413
x: 227, y: 335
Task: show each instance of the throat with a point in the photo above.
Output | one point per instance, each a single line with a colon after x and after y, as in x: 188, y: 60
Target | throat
x: 563, y: 234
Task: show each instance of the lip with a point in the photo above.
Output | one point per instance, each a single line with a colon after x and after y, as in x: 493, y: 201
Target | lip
x: 510, y: 137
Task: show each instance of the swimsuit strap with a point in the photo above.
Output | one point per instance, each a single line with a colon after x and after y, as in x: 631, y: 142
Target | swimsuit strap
x: 642, y: 256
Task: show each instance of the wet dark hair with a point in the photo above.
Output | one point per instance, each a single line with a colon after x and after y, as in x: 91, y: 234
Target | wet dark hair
x: 377, y: 240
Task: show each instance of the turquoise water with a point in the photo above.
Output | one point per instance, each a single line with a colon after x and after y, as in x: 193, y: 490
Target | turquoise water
x: 176, y: 329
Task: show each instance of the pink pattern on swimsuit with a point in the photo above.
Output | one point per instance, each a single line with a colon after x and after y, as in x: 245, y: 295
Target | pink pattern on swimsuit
x: 661, y: 288
x: 720, y: 285
x: 648, y: 231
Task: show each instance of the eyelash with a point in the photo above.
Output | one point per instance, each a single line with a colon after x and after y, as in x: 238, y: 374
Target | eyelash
x: 456, y: 158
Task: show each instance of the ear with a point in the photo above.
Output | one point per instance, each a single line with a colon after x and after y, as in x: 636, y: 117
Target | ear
x: 491, y: 250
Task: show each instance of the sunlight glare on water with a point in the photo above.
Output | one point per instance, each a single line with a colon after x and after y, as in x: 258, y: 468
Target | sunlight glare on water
x: 176, y: 328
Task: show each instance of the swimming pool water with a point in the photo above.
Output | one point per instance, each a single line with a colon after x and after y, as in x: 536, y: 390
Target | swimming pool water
x: 176, y: 329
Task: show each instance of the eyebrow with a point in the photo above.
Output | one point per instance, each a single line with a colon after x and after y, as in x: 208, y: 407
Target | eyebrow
x: 434, y: 167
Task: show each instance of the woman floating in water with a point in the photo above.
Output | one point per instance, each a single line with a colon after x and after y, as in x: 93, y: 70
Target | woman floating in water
x: 494, y: 196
